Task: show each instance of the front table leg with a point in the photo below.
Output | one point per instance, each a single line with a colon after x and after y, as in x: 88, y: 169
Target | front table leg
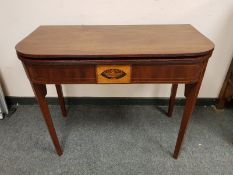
x: 40, y: 93
x: 191, y: 92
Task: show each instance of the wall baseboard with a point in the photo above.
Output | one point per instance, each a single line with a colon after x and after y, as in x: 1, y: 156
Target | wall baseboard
x: 108, y: 101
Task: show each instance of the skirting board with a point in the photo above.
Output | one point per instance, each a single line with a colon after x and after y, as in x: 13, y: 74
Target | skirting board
x: 108, y: 101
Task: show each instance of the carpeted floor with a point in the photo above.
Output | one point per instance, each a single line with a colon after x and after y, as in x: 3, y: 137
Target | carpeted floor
x: 116, y: 140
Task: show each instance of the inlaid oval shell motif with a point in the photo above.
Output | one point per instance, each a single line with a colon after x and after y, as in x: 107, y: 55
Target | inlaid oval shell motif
x: 113, y: 73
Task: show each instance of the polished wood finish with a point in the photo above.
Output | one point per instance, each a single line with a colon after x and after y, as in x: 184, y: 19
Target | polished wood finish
x: 114, y: 41
x: 169, y: 70
x: 58, y: 74
x: 172, y: 99
x: 226, y: 93
x: 142, y: 54
x: 164, y: 73
x: 61, y: 99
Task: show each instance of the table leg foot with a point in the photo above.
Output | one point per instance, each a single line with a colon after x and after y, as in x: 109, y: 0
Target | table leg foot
x: 61, y: 100
x: 172, y: 99
x: 40, y: 93
x: 220, y: 104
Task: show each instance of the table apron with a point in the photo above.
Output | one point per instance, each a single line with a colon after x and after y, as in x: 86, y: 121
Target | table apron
x: 139, y: 73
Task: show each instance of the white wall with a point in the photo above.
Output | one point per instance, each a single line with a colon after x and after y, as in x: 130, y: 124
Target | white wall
x: 214, y: 18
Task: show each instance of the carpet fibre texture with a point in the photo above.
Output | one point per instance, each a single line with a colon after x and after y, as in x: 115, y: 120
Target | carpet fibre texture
x: 115, y: 140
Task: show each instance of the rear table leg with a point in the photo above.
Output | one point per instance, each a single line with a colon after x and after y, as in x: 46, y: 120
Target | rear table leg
x: 61, y: 100
x: 172, y: 99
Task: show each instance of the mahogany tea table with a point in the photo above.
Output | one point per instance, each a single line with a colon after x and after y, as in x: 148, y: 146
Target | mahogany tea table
x: 115, y: 54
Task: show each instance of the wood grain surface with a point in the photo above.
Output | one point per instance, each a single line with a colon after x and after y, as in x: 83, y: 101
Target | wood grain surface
x: 114, y: 41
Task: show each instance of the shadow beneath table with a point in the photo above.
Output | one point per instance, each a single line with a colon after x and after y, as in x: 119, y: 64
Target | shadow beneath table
x: 113, y: 119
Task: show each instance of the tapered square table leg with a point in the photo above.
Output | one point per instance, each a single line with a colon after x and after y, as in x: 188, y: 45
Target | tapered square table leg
x: 40, y: 92
x: 191, y: 92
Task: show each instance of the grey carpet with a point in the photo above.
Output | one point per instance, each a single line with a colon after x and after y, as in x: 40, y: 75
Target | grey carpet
x: 116, y: 140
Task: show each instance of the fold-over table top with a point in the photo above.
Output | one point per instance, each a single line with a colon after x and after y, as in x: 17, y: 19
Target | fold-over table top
x: 114, y: 41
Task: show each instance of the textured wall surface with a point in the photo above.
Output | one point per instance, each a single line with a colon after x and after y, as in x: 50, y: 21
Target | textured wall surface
x: 213, y: 18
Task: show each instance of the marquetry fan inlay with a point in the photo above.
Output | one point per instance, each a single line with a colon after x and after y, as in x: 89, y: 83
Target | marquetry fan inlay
x: 113, y: 73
